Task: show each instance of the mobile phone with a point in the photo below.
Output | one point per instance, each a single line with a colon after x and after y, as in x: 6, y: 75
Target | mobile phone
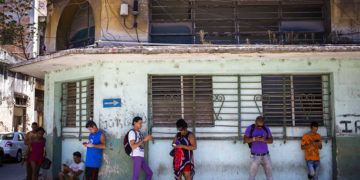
x: 65, y: 165
x: 317, y: 141
x: 85, y: 143
x: 173, y: 145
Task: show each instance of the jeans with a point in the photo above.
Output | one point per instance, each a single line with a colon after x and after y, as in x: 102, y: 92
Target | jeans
x: 138, y: 164
x: 265, y: 162
x: 313, y: 169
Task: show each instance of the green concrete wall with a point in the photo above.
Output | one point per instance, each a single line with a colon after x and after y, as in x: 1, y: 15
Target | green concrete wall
x: 348, y: 157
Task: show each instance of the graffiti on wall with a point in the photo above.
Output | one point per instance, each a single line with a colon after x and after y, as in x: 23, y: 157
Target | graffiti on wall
x: 350, y: 126
x: 346, y: 126
x: 118, y: 121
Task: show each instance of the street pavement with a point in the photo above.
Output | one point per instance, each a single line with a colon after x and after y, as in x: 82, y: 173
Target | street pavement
x: 12, y: 171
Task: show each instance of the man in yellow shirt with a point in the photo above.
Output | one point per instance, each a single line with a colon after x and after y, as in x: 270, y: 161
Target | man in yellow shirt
x: 311, y: 143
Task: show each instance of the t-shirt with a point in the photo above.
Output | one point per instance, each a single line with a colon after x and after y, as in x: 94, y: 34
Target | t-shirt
x: 77, y: 167
x: 94, y: 155
x: 258, y: 147
x: 311, y: 151
x: 139, y: 151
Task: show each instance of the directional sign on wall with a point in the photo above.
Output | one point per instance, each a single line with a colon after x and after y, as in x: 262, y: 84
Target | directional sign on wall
x: 108, y: 103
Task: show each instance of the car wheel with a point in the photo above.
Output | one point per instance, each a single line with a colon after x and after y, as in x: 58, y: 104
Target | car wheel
x: 18, y: 156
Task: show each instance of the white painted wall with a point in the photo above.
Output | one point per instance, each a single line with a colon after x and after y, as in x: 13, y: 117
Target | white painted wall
x: 125, y: 76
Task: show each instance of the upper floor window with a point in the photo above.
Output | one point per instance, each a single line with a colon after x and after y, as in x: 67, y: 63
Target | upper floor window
x: 237, y: 22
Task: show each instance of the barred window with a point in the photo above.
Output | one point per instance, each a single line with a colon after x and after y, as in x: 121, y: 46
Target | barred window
x: 77, y: 103
x: 293, y: 100
x: 223, y: 106
x: 188, y: 97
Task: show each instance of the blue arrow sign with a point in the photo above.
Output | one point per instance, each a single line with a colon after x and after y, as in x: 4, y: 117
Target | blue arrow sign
x: 108, y: 103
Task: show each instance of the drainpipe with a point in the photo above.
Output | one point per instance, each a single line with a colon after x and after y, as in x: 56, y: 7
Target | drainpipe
x: 88, y: 25
x: 35, y: 47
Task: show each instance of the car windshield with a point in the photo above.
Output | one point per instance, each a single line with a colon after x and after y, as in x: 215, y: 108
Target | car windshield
x: 7, y: 136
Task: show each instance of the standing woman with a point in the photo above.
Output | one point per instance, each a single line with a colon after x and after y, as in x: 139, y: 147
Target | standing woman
x: 184, y: 143
x: 37, y: 149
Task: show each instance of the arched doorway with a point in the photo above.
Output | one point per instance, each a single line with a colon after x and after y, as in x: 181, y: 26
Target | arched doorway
x: 76, y: 27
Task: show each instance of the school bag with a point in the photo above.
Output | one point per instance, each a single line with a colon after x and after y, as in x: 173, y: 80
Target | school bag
x: 126, y: 142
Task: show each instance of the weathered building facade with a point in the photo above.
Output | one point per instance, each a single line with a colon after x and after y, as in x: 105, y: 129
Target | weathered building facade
x: 218, y: 89
x: 21, y: 97
x: 236, y: 85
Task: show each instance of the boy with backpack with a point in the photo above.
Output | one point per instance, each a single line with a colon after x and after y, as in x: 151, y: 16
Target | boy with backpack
x: 134, y: 143
x: 311, y: 143
x: 258, y: 136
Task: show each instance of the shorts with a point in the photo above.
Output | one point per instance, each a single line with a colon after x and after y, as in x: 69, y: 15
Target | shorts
x: 187, y: 168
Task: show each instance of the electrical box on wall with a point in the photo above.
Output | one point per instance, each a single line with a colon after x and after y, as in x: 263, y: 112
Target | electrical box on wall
x: 124, y: 9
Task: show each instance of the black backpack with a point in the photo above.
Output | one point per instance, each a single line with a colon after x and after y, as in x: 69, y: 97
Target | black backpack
x: 126, y: 142
x: 252, y: 131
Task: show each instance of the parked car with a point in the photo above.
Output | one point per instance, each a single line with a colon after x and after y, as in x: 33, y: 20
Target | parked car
x: 13, y: 145
x: 2, y: 156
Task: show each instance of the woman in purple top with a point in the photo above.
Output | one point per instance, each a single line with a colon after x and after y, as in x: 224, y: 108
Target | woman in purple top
x: 258, y: 136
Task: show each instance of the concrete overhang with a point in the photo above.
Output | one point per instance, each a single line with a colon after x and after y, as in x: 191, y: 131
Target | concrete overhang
x: 7, y: 58
x: 77, y: 57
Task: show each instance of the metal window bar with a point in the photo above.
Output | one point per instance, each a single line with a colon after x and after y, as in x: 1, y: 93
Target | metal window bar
x: 213, y: 103
x: 76, y: 107
x: 238, y: 22
x: 238, y: 99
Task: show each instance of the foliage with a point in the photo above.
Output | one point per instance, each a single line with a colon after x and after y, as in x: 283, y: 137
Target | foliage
x: 15, y: 24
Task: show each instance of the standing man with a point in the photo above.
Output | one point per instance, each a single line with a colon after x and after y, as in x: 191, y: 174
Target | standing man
x: 311, y: 143
x: 94, y: 151
x: 137, y: 141
x: 258, y: 136
x: 28, y: 138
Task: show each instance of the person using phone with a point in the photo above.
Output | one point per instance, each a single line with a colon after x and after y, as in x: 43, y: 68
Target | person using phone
x: 311, y: 144
x: 258, y: 136
x: 184, y: 144
x: 94, y: 151
x: 75, y: 169
x: 137, y: 142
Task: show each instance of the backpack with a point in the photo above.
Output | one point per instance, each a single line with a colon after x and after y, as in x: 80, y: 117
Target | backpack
x: 252, y: 131
x: 126, y: 142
